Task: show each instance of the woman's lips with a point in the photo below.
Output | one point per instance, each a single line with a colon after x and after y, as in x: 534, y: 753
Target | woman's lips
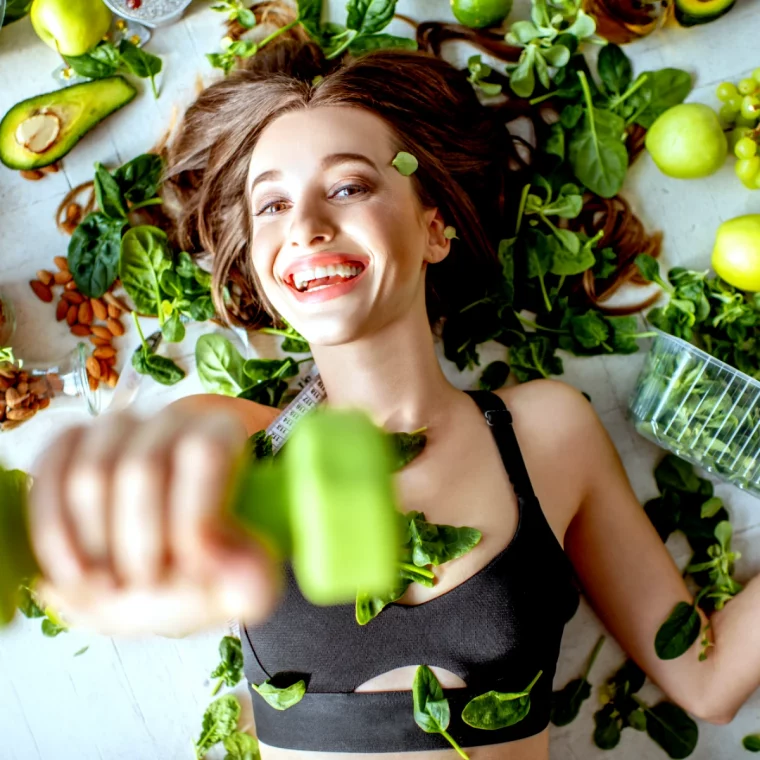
x: 327, y: 291
x: 322, y: 260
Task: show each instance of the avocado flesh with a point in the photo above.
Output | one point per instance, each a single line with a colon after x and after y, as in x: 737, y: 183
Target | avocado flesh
x: 693, y: 12
x: 79, y: 108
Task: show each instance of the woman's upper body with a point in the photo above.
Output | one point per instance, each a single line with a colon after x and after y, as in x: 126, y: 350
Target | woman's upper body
x: 298, y: 189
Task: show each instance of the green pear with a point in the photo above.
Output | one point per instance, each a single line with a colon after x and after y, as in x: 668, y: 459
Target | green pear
x: 70, y: 27
x: 736, y: 256
x: 687, y: 141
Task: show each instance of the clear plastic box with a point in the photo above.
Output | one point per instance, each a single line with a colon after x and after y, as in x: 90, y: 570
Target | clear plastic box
x: 700, y: 409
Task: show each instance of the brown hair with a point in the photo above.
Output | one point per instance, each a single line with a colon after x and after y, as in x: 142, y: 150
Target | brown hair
x: 463, y: 152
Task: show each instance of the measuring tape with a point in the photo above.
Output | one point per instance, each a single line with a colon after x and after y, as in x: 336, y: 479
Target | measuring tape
x: 309, y: 397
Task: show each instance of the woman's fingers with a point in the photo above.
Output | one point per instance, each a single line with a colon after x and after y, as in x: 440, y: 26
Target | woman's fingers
x: 141, y: 483
x: 53, y: 536
x: 88, y: 485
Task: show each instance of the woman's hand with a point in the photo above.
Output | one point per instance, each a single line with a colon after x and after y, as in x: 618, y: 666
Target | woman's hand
x: 128, y: 523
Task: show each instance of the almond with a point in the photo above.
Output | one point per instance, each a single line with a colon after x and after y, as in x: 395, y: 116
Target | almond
x: 69, y: 227
x: 34, y: 405
x: 113, y: 378
x: 85, y: 313
x: 4, y: 385
x: 44, y: 403
x: 94, y: 383
x: 100, y: 342
x: 12, y: 397
x: 70, y: 285
x: 39, y: 386
x: 105, y: 368
x: 23, y: 388
x: 99, y: 309
x: 7, y: 372
x: 72, y: 296
x: 41, y: 290
x: 104, y: 352
x: 50, y: 168
x: 112, y: 300
x: 93, y: 367
x: 61, y: 310
x: 62, y: 263
x: 81, y: 331
x: 73, y: 213
x: 32, y: 174
x: 62, y: 277
x: 71, y: 315
x: 102, y: 332
x: 20, y: 415
x: 115, y: 326
x: 44, y: 276
x: 9, y: 425
x: 113, y: 311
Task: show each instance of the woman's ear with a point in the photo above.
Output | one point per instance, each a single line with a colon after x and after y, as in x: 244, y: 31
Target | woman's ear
x: 439, y: 245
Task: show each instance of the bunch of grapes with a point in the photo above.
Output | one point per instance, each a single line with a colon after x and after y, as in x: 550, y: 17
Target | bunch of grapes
x: 741, y: 111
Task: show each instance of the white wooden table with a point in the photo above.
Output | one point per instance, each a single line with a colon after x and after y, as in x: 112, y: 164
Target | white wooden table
x: 144, y: 700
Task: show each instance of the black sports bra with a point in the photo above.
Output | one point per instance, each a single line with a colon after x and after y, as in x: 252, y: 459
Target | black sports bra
x: 496, y: 630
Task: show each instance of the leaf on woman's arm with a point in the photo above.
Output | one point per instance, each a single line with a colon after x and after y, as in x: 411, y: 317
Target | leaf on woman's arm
x: 281, y: 698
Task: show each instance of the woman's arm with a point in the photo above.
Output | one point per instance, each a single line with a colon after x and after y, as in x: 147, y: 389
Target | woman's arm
x: 629, y: 576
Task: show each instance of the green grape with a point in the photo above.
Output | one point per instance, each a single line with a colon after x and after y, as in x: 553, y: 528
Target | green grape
x: 750, y: 107
x: 756, y: 183
x: 747, y: 169
x: 745, y: 148
x: 727, y: 90
x: 735, y: 102
x: 728, y: 114
x: 756, y: 75
x: 735, y: 135
x: 747, y: 86
x: 752, y: 184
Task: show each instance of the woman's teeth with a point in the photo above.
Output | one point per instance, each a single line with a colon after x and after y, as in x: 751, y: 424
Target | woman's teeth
x: 307, y: 277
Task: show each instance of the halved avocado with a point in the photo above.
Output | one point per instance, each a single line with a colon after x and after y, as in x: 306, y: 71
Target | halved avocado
x: 38, y: 131
x: 693, y: 12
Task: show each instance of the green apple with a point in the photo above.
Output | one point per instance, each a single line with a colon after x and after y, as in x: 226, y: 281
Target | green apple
x: 736, y: 256
x: 687, y: 141
x: 71, y: 27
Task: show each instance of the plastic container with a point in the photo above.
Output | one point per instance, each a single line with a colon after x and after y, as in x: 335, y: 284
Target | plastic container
x: 701, y: 409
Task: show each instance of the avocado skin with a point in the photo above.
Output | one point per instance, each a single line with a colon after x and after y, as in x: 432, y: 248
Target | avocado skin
x: 693, y: 12
x: 98, y: 98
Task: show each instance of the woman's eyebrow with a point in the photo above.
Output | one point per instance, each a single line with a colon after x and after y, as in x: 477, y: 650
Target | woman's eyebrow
x: 327, y: 162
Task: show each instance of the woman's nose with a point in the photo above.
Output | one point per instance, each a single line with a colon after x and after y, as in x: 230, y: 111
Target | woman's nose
x: 311, y: 226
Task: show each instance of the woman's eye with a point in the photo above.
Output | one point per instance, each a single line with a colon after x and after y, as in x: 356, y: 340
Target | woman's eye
x: 274, y: 207
x: 348, y: 190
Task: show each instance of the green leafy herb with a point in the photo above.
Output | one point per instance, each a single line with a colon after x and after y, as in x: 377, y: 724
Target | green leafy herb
x: 494, y: 376
x: 51, y: 629
x: 479, y: 71
x: 162, y: 369
x: 294, y: 342
x: 431, y: 709
x: 230, y: 668
x: 281, y: 698
x: 405, y: 163
x: 260, y: 445
x: 621, y: 709
x: 81, y: 651
x: 670, y: 727
x: 139, y: 179
x: 140, y: 63
x: 108, y: 194
x: 566, y: 703
x: 16, y: 9
x: 93, y: 253
x: 494, y: 709
x: 435, y: 544
x: 241, y: 746
x: 407, y: 447
x: 615, y: 69
x: 676, y: 635
x: 219, y: 722
x: 220, y: 366
x: 236, y: 11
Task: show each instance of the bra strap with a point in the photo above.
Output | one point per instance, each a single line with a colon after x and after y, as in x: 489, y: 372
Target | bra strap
x: 499, y: 419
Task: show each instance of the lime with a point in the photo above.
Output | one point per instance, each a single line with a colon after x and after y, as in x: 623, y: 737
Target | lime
x: 736, y: 257
x: 478, y: 14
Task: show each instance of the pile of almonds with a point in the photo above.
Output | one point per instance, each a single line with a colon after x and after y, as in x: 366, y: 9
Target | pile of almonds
x: 22, y: 396
x: 95, y: 318
x: 36, y: 174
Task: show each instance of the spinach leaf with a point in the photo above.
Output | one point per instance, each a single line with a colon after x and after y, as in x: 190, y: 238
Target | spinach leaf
x: 280, y: 698
x: 751, y: 743
x: 674, y: 473
x: 369, y: 606
x: 534, y: 358
x: 230, y: 668
x: 51, y: 629
x: 201, y: 309
x: 17, y: 561
x: 407, y: 447
x: 16, y: 9
x: 372, y: 42
x: 431, y: 708
x: 566, y: 703
x: 494, y: 376
x: 141, y: 64
x: 614, y: 69
x: 260, y: 370
x: 662, y: 90
x: 173, y: 329
x: 260, y: 445
x: 607, y: 728
x: 139, y: 179
x: 294, y: 342
x: 676, y: 635
x: 219, y: 722
x: 494, y: 710
x: 101, y: 61
x: 405, y: 163
x: 241, y: 746
x: 621, y: 708
x: 220, y: 366
x: 369, y: 16
x: 27, y: 604
x: 162, y: 369
x: 435, y: 544
x: 144, y: 257
x: 672, y: 729
x: 93, y: 253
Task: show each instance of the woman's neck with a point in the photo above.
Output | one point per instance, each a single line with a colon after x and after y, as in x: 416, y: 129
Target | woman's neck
x: 392, y: 374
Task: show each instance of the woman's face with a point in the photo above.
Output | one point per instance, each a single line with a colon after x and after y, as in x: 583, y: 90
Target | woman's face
x: 340, y: 240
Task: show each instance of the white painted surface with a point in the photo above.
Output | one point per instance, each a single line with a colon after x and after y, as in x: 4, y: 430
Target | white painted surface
x: 144, y: 700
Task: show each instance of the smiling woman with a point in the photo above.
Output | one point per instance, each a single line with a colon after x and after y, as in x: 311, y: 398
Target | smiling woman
x: 289, y: 172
